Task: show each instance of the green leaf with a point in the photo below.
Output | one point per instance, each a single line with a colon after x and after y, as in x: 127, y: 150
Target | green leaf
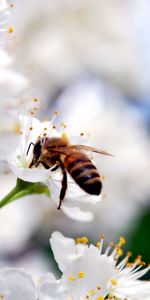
x: 24, y: 188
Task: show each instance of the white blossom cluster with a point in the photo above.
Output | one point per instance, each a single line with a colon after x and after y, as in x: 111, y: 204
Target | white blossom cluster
x: 87, y: 273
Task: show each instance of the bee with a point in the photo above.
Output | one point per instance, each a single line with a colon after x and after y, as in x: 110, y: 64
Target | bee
x: 57, y: 153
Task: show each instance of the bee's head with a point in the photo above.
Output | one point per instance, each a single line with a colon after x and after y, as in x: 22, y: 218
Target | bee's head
x: 36, y: 153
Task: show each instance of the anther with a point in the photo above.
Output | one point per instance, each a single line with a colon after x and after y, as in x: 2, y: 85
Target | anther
x: 102, y: 237
x: 98, y: 244
x: 45, y: 128
x: 113, y: 281
x: 81, y: 274
x: 11, y: 5
x: 35, y: 108
x: 21, y: 132
x: 54, y: 126
x: 100, y: 298
x: 35, y: 100
x: 32, y: 112
x: 102, y: 177
x: 82, y: 133
x: 56, y: 113
x: 45, y: 134
x: 31, y: 128
x: 71, y: 278
x: 91, y: 292
x: 129, y: 253
x: 10, y: 29
x: 82, y: 240
x: 121, y: 241
x: 98, y: 288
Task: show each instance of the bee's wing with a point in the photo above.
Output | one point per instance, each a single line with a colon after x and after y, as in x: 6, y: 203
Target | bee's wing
x: 66, y: 150
x: 92, y: 149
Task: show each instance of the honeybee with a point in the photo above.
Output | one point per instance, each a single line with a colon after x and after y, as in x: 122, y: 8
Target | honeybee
x: 58, y: 153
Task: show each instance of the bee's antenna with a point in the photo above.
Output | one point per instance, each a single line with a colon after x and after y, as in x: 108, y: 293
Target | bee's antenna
x: 29, y: 148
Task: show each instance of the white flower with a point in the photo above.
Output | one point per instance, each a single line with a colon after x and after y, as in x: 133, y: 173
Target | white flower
x: 16, y: 284
x: 90, y: 274
x: 31, y: 129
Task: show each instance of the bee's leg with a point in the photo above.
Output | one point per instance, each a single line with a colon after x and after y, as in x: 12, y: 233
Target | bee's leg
x: 63, y: 188
x: 55, y: 168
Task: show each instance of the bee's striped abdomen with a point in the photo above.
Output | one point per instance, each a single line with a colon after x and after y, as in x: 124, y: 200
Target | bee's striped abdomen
x: 83, y: 172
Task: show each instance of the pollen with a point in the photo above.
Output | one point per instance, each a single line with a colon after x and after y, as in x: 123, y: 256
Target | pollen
x: 31, y: 128
x: 11, y: 5
x: 32, y: 112
x: 129, y: 265
x: 102, y: 237
x: 35, y: 99
x: 98, y: 288
x: 100, y: 298
x: 98, y: 244
x: 119, y: 251
x: 113, y: 281
x: 56, y: 113
x: 87, y: 297
x: 45, y: 134
x: 82, y: 240
x: 121, y: 241
x: 64, y: 125
x: 35, y: 108
x: 81, y: 274
x: 10, y: 29
x: 112, y: 244
x: 82, y: 133
x: 54, y: 126
x: 71, y: 278
x: 91, y: 292
x: 129, y: 253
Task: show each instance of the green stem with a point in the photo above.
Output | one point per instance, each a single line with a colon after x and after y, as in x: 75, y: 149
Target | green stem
x: 22, y: 189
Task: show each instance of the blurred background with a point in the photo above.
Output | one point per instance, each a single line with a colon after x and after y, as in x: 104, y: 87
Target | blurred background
x: 90, y: 61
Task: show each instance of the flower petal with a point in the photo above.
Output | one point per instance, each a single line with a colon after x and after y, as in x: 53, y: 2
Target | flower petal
x: 64, y: 249
x: 51, y: 289
x: 16, y: 284
x: 77, y: 214
x: 97, y: 272
x: 31, y: 175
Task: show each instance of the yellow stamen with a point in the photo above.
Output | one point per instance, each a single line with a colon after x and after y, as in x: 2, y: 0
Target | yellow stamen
x: 10, y: 29
x: 100, y: 298
x: 56, y: 113
x: 91, y: 292
x: 129, y: 253
x: 98, y: 244
x: 81, y: 274
x: 119, y: 251
x: 113, y: 281
x: 81, y: 134
x: 102, y: 237
x: 121, y: 241
x: 102, y: 177
x: 71, y: 278
x: 82, y: 240
x: 64, y: 136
